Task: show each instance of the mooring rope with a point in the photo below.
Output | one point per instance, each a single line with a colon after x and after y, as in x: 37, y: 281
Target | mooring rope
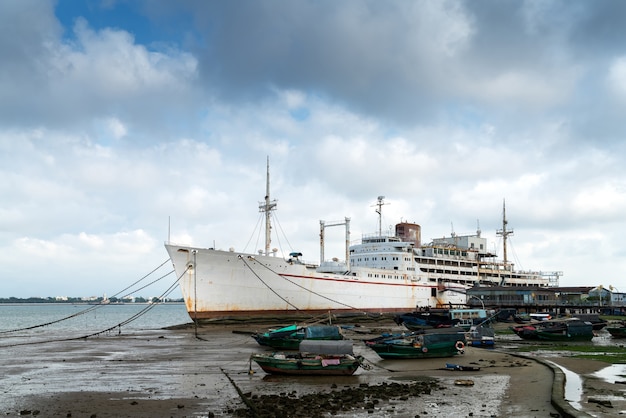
x: 295, y: 284
x: 135, y: 316
x: 266, y: 285
x: 117, y: 326
x: 128, y: 287
x: 96, y: 306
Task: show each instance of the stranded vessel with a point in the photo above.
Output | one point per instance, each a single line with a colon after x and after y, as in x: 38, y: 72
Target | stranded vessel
x: 383, y: 273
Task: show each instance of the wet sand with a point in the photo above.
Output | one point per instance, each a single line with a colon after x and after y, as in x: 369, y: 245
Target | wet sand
x: 174, y: 373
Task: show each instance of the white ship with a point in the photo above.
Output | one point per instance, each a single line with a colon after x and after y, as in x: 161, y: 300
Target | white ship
x: 384, y: 273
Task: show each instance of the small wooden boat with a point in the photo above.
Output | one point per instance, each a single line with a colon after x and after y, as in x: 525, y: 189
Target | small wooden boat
x: 289, y: 337
x: 557, y: 330
x: 617, y: 331
x: 597, y: 322
x: 425, y: 319
x: 527, y: 332
x: 441, y: 342
x: 574, y: 330
x: 315, y: 358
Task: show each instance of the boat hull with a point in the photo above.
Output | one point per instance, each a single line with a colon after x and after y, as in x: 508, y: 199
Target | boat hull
x: 556, y: 331
x: 433, y: 344
x: 527, y: 332
x: 329, y: 366
x: 222, y: 284
x: 416, y: 321
x: 551, y: 336
x: 617, y: 332
x: 402, y: 351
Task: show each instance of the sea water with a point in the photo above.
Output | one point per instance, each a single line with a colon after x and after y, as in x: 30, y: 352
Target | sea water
x: 75, y: 320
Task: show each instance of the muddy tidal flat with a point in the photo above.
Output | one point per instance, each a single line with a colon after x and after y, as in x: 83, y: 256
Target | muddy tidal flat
x: 207, y: 373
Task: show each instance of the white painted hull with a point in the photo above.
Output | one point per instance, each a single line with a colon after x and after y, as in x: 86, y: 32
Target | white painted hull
x: 228, y: 284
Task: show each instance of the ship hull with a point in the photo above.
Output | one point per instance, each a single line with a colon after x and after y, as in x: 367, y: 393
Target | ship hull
x: 223, y: 284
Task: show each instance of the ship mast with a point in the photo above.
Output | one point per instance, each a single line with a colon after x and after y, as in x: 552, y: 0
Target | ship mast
x: 504, y: 233
x: 379, y: 211
x: 268, y: 206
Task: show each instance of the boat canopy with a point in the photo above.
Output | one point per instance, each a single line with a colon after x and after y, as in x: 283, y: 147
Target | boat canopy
x: 322, y: 331
x: 326, y: 347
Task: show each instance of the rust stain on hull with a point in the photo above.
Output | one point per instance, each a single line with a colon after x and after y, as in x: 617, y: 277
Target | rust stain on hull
x: 250, y: 315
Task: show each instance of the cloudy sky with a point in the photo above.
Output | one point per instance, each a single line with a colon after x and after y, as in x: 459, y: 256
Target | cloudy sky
x: 125, y: 122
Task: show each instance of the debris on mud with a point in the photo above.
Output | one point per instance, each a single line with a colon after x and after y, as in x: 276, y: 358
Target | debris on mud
x: 365, y: 397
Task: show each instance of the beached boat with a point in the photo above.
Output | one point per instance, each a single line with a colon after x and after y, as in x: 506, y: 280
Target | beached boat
x: 482, y: 336
x: 385, y: 273
x: 425, y: 318
x: 558, y: 330
x: 525, y: 331
x: 315, y: 358
x: 442, y: 342
x: 530, y: 330
x: 290, y: 337
x: 574, y: 330
x: 617, y: 331
x: 596, y: 322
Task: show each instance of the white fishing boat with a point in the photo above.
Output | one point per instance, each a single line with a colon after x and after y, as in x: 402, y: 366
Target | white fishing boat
x: 383, y: 273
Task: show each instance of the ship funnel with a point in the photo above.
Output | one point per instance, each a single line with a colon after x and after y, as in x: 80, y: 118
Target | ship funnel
x: 409, y: 232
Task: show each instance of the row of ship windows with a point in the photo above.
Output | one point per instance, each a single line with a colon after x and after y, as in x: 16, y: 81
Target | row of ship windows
x: 440, y: 251
x: 515, y: 298
x: 470, y: 273
x: 443, y: 251
x: 382, y: 259
x: 383, y: 276
x: 444, y: 262
x: 390, y: 276
x: 422, y: 261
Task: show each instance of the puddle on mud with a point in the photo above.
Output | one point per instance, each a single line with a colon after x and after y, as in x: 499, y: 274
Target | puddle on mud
x: 573, y: 387
x: 612, y: 374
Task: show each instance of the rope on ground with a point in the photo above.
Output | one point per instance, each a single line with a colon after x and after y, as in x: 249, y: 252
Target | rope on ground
x: 245, y: 400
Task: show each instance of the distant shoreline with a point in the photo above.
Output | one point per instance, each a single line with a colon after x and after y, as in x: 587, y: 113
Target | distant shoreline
x: 26, y: 302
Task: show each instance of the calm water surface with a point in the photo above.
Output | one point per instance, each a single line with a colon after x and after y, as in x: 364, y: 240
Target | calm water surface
x: 72, y: 320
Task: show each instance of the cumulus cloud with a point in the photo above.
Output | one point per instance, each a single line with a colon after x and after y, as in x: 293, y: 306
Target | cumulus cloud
x: 118, y: 134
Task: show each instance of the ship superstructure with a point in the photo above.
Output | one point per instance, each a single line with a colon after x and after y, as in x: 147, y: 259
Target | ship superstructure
x: 383, y: 273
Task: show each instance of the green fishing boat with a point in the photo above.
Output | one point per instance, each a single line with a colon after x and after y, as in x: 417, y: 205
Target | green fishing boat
x: 446, y: 342
x: 617, y: 331
x: 572, y: 330
x: 315, y: 358
x: 290, y: 337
